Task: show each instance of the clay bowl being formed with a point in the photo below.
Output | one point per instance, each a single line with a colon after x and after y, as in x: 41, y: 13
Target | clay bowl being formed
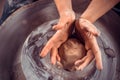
x: 69, y: 52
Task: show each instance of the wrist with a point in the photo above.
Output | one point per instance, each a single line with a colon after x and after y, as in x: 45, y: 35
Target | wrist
x: 89, y: 18
x: 87, y: 26
x: 67, y: 15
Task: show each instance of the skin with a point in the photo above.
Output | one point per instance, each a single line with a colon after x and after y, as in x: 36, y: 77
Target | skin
x: 89, y: 36
x: 67, y: 17
x: 84, y: 27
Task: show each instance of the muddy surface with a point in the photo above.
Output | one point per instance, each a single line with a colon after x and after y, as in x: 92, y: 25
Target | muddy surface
x: 42, y: 67
x: 44, y: 70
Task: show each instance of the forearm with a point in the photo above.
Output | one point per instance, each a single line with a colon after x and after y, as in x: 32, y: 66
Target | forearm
x: 97, y: 8
x: 63, y: 6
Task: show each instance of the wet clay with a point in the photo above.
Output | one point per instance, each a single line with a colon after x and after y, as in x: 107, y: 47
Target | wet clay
x: 71, y: 51
x: 44, y: 70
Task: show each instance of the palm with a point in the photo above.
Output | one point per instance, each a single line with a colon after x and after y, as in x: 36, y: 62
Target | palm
x: 89, y: 32
x: 63, y: 30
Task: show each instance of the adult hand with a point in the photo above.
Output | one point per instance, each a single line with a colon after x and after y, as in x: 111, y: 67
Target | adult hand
x: 89, y: 33
x: 63, y: 29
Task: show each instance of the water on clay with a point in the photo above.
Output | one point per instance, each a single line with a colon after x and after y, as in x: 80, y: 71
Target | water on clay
x: 38, y: 68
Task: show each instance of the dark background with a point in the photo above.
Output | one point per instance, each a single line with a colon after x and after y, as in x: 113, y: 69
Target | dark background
x: 9, y: 6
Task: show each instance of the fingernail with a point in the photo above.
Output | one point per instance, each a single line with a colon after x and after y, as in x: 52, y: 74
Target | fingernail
x: 53, y: 63
x: 54, y: 28
x: 40, y: 56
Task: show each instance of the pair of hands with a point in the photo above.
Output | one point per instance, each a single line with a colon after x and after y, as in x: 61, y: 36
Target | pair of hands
x: 88, y: 32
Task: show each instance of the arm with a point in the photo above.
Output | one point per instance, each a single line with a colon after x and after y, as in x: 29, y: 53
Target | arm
x: 67, y: 17
x: 65, y: 11
x: 63, y: 5
x: 95, y: 10
x: 98, y: 8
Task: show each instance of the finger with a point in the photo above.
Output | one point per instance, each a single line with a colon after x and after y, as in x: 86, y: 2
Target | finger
x: 88, y: 34
x: 46, y: 49
x: 91, y: 36
x: 58, y: 58
x: 92, y: 29
x: 61, y: 24
x: 80, y: 61
x: 50, y: 44
x: 53, y: 55
x: 57, y: 27
x: 89, y: 27
x: 97, y: 53
x: 86, y: 61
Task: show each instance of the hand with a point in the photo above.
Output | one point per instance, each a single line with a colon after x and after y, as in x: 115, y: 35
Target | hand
x: 89, y: 33
x: 63, y: 30
x: 82, y: 63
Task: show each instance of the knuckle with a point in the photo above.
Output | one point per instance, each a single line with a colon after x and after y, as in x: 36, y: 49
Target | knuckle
x: 96, y: 51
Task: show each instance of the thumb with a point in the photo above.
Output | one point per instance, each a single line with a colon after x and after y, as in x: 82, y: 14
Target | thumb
x: 61, y: 24
x: 92, y: 30
x: 57, y: 27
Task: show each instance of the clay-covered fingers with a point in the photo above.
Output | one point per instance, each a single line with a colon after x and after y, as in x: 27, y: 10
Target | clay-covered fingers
x: 85, y: 61
x: 57, y: 27
x: 80, y: 61
x: 58, y: 38
x: 89, y: 32
x: 97, y: 53
x: 49, y: 45
x: 54, y: 43
x: 63, y: 28
x: 53, y: 55
x: 58, y: 58
x: 88, y: 27
x: 91, y: 43
x: 46, y: 49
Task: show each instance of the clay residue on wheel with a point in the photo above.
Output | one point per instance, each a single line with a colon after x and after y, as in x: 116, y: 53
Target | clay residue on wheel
x: 42, y: 68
